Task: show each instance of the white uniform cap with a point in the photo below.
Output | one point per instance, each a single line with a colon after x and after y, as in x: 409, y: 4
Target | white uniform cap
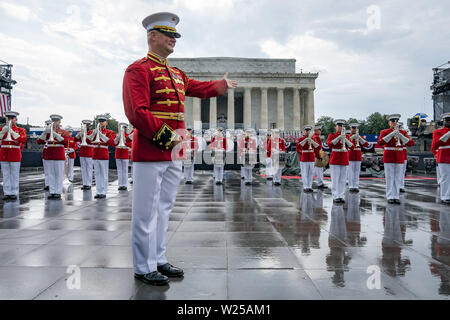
x: 89, y: 122
x: 354, y: 125
x: 102, y: 118
x: 340, y: 122
x: 47, y: 122
x: 162, y: 21
x: 348, y: 131
x: 445, y: 115
x: 68, y: 128
x: 394, y: 116
x: 318, y: 128
x: 11, y: 114
x: 307, y: 127
x: 55, y: 117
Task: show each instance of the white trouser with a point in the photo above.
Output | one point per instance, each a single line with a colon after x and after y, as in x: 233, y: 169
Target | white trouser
x: 242, y: 172
x: 101, y: 169
x: 218, y: 173
x: 354, y: 169
x: 402, y: 181
x: 189, y: 173
x: 45, y: 164
x: 154, y: 193
x: 10, y: 172
x: 248, y: 174
x: 307, y: 172
x: 277, y: 174
x: 269, y: 169
x: 438, y: 174
x: 393, y: 173
x: 71, y: 165
x: 55, y: 176
x: 318, y: 172
x: 86, y: 170
x: 444, y: 169
x: 122, y: 171
x: 338, y: 178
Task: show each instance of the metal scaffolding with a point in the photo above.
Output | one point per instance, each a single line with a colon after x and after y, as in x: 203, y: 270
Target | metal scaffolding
x: 441, y: 90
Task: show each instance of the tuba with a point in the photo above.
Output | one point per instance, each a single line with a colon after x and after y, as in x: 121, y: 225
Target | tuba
x: 122, y: 126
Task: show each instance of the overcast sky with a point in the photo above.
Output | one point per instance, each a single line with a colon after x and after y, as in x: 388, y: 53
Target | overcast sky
x: 69, y: 56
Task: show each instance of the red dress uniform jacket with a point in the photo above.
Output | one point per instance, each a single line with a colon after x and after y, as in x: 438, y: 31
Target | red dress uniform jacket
x: 85, y: 151
x: 305, y: 154
x: 443, y: 154
x: 101, y: 151
x: 153, y: 97
x: 355, y: 154
x: 434, y: 147
x: 392, y: 152
x: 218, y: 143
x: 281, y: 146
x: 55, y: 149
x: 338, y: 157
x: 246, y: 143
x: 123, y: 153
x: 44, y: 152
x: 410, y: 143
x: 191, y: 143
x: 11, y: 150
x: 72, y: 144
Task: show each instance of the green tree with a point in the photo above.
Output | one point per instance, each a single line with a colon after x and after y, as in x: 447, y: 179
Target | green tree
x: 113, y: 124
x: 375, y: 123
x: 327, y: 124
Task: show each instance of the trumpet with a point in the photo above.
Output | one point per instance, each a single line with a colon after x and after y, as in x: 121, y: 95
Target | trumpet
x: 8, y: 136
x: 122, y: 135
x: 97, y: 136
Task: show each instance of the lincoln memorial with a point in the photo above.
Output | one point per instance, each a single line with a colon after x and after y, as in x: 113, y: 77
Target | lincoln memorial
x: 270, y: 94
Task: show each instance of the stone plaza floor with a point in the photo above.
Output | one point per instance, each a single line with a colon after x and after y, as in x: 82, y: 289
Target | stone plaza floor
x: 233, y: 241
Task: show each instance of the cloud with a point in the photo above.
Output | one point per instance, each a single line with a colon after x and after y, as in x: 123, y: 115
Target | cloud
x: 16, y: 11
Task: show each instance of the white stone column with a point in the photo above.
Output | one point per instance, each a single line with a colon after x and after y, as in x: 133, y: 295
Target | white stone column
x: 196, y: 112
x: 230, y: 109
x: 297, y: 116
x: 302, y: 109
x: 247, y: 108
x: 264, y: 109
x: 310, y: 106
x: 212, y: 112
x: 280, y: 108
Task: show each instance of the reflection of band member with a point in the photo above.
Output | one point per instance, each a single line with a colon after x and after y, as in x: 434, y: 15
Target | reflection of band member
x: 72, y: 147
x: 339, y: 142
x: 56, y: 140
x: 101, y: 139
x: 247, y: 144
x: 275, y: 144
x: 441, y: 141
x: 190, y: 148
x: 337, y: 259
x: 154, y: 95
x: 219, y: 144
x: 122, y: 155
x: 393, y: 140
x: 44, y: 160
x: 318, y: 172
x: 85, y: 153
x: 355, y: 157
x: 410, y: 143
x: 13, y: 138
x: 308, y: 150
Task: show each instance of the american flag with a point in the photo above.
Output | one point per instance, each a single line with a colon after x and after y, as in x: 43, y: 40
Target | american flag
x: 4, y: 104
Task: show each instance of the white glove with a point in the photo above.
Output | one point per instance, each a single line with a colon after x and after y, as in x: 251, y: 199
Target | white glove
x: 47, y: 129
x: 93, y: 134
x: 14, y: 134
x: 131, y: 136
x: 4, y: 130
x: 403, y: 138
x: 336, y: 140
x: 348, y: 143
x: 58, y: 136
x: 78, y: 136
x: 388, y: 137
x: 116, y: 140
x: 445, y: 137
x: 304, y: 142
x: 42, y: 136
x: 353, y: 137
x: 361, y: 140
x: 315, y: 144
x: 104, y: 138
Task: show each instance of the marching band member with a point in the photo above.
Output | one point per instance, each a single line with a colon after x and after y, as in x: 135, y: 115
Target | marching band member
x: 72, y: 147
x: 239, y: 135
x: 339, y: 143
x: 219, y: 143
x: 154, y: 95
x: 122, y: 156
x: 56, y: 140
x: 269, y: 169
x: 12, y: 140
x: 44, y: 160
x: 355, y: 157
x: 318, y: 171
x: 191, y: 144
x: 130, y: 136
x: 410, y: 143
x: 441, y: 141
x: 247, y: 143
x: 435, y: 151
x: 393, y: 141
x: 101, y: 138
x: 276, y: 144
x: 309, y: 149
x: 85, y: 153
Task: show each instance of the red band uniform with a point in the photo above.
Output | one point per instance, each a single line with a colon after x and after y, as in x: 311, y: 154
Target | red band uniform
x: 219, y: 146
x: 441, y: 141
x: 247, y: 143
x: 86, y: 152
x: 122, y: 156
x: 274, y: 147
x: 355, y: 158
x: 190, y: 148
x: 309, y: 150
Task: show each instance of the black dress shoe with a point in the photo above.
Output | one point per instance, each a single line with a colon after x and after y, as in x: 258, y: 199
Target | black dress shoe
x: 97, y: 196
x: 270, y: 179
x: 277, y: 183
x: 170, y: 271
x: 6, y: 197
x: 446, y: 201
x: 338, y: 200
x: 242, y: 178
x: 391, y: 201
x: 154, y: 278
x: 13, y: 197
x: 46, y: 188
x: 51, y: 196
x: 396, y: 201
x: 322, y: 187
x: 402, y: 190
x: 248, y: 183
x: 88, y: 188
x: 218, y: 183
x: 100, y: 196
x: 188, y: 182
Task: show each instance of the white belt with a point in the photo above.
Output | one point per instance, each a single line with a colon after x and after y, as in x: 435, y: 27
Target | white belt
x: 307, y: 150
x: 444, y: 147
x: 357, y: 149
x: 100, y: 146
x: 55, y: 145
x: 394, y: 149
x: 338, y: 150
x: 10, y: 146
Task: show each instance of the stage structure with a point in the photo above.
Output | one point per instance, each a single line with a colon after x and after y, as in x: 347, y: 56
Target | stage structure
x: 270, y: 94
x: 441, y: 90
x: 6, y: 85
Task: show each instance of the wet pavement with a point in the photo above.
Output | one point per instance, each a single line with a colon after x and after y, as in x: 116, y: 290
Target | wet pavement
x: 233, y: 241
